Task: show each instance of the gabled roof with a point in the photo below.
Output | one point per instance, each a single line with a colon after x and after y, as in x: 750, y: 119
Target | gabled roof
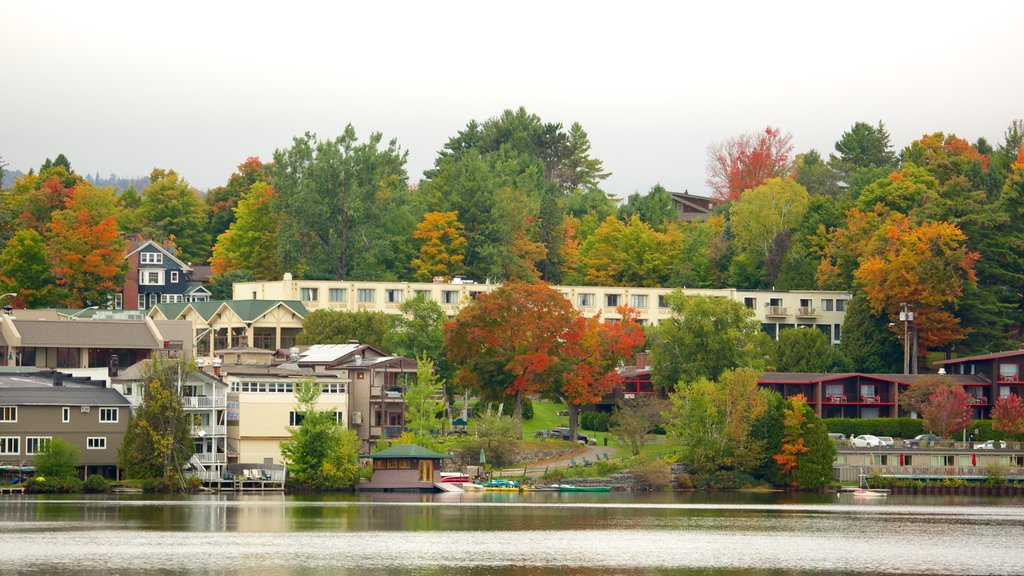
x: 95, y: 333
x: 247, y: 310
x: 166, y: 252
x: 408, y: 451
x: 193, y: 287
x: 992, y: 356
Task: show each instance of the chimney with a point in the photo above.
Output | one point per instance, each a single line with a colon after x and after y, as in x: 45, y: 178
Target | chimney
x: 112, y: 368
x: 643, y: 359
x: 58, y: 378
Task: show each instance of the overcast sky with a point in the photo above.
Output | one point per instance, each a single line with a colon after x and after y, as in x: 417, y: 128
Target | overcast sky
x: 123, y: 87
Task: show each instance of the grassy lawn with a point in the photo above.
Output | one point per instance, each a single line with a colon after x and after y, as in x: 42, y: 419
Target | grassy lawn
x: 545, y: 417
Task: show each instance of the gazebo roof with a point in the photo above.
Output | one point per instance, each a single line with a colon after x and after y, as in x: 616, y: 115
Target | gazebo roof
x: 408, y: 451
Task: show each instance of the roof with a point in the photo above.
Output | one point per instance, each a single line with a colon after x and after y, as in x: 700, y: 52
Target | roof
x: 813, y: 378
x: 247, y: 310
x: 94, y: 333
x: 408, y: 451
x: 37, y: 389
x: 327, y: 353
x: 193, y: 287
x: 991, y: 356
x: 143, y: 244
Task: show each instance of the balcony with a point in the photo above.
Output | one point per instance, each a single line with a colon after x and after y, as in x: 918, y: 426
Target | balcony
x: 776, y: 312
x: 203, y: 402
x: 836, y: 398
x: 807, y: 312
x: 977, y: 400
x: 871, y: 399
x: 209, y: 431
x: 1009, y: 378
x: 385, y: 394
x: 211, y: 458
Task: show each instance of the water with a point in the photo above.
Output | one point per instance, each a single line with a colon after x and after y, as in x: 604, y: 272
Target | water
x: 503, y: 534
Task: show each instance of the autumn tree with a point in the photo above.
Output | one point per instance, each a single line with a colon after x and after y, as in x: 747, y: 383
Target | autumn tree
x: 250, y: 243
x: 511, y: 341
x: 441, y: 246
x: 805, y: 460
x: 172, y: 209
x: 629, y: 253
x: 26, y: 269
x: 711, y: 422
x: 947, y: 411
x: 87, y: 251
x: 766, y: 211
x: 1008, y: 415
x: 743, y: 162
x: 916, y: 397
x: 704, y: 337
x: 223, y: 200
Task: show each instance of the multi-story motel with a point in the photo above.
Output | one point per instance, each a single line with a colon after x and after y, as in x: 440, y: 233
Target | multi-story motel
x: 823, y: 310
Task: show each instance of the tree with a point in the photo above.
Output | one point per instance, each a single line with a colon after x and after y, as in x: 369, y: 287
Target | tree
x: 746, y: 161
x: 441, y: 246
x: 423, y: 405
x: 635, y: 418
x: 87, y: 251
x: 807, y: 454
x: 321, y: 454
x: 1008, y: 415
x: 325, y: 326
x: 172, y: 209
x: 222, y: 285
x: 251, y: 241
x: 223, y: 200
x: 654, y: 208
x: 511, y: 341
x: 25, y: 268
x: 916, y: 397
x: 158, y: 442
x: 803, y: 350
x: 863, y: 148
x: 947, y: 411
x: 704, y: 337
x: 814, y: 174
x: 627, y: 253
x: 764, y: 212
x: 332, y: 193
x: 577, y: 169
x: 712, y: 423
x: 58, y: 459
x: 419, y: 331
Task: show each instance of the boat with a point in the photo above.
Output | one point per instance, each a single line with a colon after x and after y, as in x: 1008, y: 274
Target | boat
x: 454, y: 477
x: 864, y: 493
x: 573, y: 488
x: 504, y: 486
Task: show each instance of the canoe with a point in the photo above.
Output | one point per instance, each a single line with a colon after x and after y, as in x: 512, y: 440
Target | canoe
x: 571, y: 488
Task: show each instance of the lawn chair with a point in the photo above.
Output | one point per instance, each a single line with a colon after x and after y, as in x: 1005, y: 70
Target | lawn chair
x: 265, y: 475
x: 228, y: 475
x: 585, y: 461
x: 572, y: 463
x: 605, y: 456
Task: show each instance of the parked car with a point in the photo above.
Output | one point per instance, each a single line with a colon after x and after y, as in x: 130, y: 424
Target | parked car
x: 866, y: 441
x: 990, y: 445
x: 563, y: 433
x: 886, y: 441
x: 836, y: 436
x: 922, y: 440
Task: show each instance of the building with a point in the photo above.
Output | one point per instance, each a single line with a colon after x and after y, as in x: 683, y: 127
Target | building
x: 38, y: 406
x: 224, y: 324
x: 823, y: 310
x: 155, y: 275
x: 692, y: 207
x: 994, y: 376
x: 405, y: 468
x: 73, y: 344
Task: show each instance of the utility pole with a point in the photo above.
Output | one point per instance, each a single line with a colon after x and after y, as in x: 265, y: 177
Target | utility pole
x: 907, y: 316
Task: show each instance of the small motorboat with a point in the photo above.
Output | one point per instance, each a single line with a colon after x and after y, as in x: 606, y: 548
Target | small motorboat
x: 454, y: 477
x: 865, y: 493
x: 573, y: 488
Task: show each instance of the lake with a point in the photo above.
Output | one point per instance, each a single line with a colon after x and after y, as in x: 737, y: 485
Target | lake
x: 504, y: 534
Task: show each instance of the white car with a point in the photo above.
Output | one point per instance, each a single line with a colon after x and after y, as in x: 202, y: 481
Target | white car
x: 866, y: 441
x: 886, y: 441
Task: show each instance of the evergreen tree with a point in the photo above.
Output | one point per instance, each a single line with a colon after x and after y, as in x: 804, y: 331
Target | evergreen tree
x: 867, y: 342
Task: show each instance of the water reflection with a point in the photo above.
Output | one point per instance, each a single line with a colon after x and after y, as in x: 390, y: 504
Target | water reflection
x: 505, y: 533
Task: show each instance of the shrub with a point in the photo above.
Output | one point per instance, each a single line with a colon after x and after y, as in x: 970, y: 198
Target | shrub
x: 96, y: 484
x: 653, y: 475
x: 159, y: 484
x: 996, y: 476
x: 44, y: 485
x: 684, y: 481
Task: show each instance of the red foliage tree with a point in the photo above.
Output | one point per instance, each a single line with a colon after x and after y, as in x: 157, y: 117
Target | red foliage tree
x: 947, y: 411
x: 746, y: 161
x: 1008, y: 415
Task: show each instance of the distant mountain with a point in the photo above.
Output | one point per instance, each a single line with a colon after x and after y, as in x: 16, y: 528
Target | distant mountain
x: 118, y: 183
x: 9, y: 176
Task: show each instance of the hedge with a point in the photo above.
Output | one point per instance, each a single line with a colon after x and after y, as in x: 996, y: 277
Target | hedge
x: 903, y: 428
x: 595, y: 421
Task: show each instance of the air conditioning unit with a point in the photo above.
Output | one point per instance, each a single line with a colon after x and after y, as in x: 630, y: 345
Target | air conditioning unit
x: 357, y: 418
x: 86, y: 409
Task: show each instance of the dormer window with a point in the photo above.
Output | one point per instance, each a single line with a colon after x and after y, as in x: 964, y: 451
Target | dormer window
x: 151, y: 258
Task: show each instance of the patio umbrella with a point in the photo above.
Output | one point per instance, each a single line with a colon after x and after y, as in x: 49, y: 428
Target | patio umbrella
x: 974, y: 459
x: 483, y: 460
x: 901, y: 459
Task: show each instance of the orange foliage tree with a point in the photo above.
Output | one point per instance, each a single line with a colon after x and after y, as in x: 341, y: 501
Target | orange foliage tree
x: 947, y: 411
x: 87, y: 250
x: 442, y: 245
x: 746, y: 161
x: 1008, y: 415
x: 944, y: 156
x: 807, y: 453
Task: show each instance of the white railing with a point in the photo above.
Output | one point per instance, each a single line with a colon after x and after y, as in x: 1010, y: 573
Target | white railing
x: 203, y: 402
x: 209, y: 431
x: 211, y: 458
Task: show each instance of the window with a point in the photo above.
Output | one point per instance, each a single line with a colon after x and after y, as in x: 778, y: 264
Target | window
x: 1008, y: 372
x: 878, y: 459
x: 332, y: 388
x: 108, y: 414
x: 8, y: 413
x: 837, y: 332
x: 662, y: 301
x: 118, y: 301
x: 151, y: 258
x: 585, y: 300
x: 394, y: 296
x: 174, y: 275
x: 339, y: 418
x: 826, y: 304
x: 36, y: 444
x: 908, y: 459
x: 142, y: 301
x: 449, y: 296
x: 775, y: 302
x: 295, y: 418
x: 750, y: 303
x: 151, y: 277
x: 10, y: 445
x: 840, y: 305
x: 638, y: 301
x: 425, y: 294
x: 943, y: 460
x: 611, y: 300
x: 308, y: 294
x: 366, y: 295
x: 96, y: 443
x: 337, y: 294
x: 65, y: 414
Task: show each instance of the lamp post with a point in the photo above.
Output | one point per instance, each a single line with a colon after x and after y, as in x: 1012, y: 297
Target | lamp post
x: 7, y: 309
x: 906, y: 316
